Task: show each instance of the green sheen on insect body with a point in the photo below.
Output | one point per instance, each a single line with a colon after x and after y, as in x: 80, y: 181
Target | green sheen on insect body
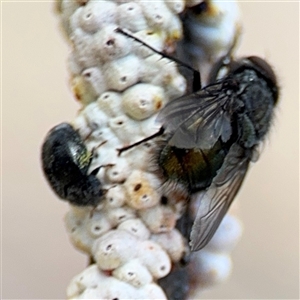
x: 214, y: 134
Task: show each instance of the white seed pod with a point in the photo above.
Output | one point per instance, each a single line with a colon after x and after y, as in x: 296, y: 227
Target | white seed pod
x: 149, y: 126
x: 80, y: 90
x: 143, y: 152
x: 88, y: 85
x: 154, y: 258
x: 138, y: 156
x: 176, y: 6
x: 66, y: 9
x: 154, y: 39
x: 209, y: 269
x: 94, y: 16
x: 226, y: 236
x: 89, y: 278
x: 89, y: 293
x: 73, y: 64
x: 172, y: 242
x: 154, y: 68
x: 133, y: 272
x: 159, y: 218
x: 114, y: 249
x: 161, y: 71
x: 118, y: 171
x: 83, y: 50
x: 122, y: 73
x: 86, y: 225
x: 77, y: 233
x: 157, y: 14
x: 142, y: 100
x: 80, y: 124
x: 141, y: 190
x: 211, y: 34
x: 130, y: 16
x: 98, y: 224
x: 153, y: 291
x: 112, y: 288
x: 75, y: 217
x: 104, y: 158
x: 136, y: 227
x: 95, y: 118
x: 95, y: 78
x: 176, y: 87
x: 120, y: 214
x: 115, y: 197
x: 109, y: 45
x: 110, y: 103
x: 103, y: 287
x: 103, y: 138
x: 125, y: 129
x: 79, y: 213
x: 174, y: 30
x: 75, y: 19
x: 81, y: 241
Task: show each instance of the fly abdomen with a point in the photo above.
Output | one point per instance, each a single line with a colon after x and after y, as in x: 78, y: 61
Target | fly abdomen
x: 194, y: 168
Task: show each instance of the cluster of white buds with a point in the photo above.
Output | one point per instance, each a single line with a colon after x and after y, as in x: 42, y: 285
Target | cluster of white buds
x: 121, y: 86
x: 212, y: 29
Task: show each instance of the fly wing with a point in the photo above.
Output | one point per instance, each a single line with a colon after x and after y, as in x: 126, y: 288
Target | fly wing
x: 198, y: 120
x: 214, y: 203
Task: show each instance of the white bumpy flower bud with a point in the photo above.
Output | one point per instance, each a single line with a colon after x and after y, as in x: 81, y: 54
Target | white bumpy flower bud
x: 121, y: 86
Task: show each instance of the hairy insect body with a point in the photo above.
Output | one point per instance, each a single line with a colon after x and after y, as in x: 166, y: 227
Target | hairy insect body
x: 193, y: 168
x: 255, y: 119
x: 65, y: 162
x: 213, y: 135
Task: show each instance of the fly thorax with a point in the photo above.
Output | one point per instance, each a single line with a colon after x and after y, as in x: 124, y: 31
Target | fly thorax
x: 255, y: 118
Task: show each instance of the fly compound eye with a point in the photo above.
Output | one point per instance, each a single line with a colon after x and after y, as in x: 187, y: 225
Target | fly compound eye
x: 265, y: 70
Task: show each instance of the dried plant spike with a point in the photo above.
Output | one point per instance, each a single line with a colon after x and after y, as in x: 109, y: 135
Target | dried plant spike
x: 213, y: 29
x: 121, y: 85
x: 134, y: 272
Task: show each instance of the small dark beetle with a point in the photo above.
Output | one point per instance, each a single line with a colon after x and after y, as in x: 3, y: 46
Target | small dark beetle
x: 65, y: 162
